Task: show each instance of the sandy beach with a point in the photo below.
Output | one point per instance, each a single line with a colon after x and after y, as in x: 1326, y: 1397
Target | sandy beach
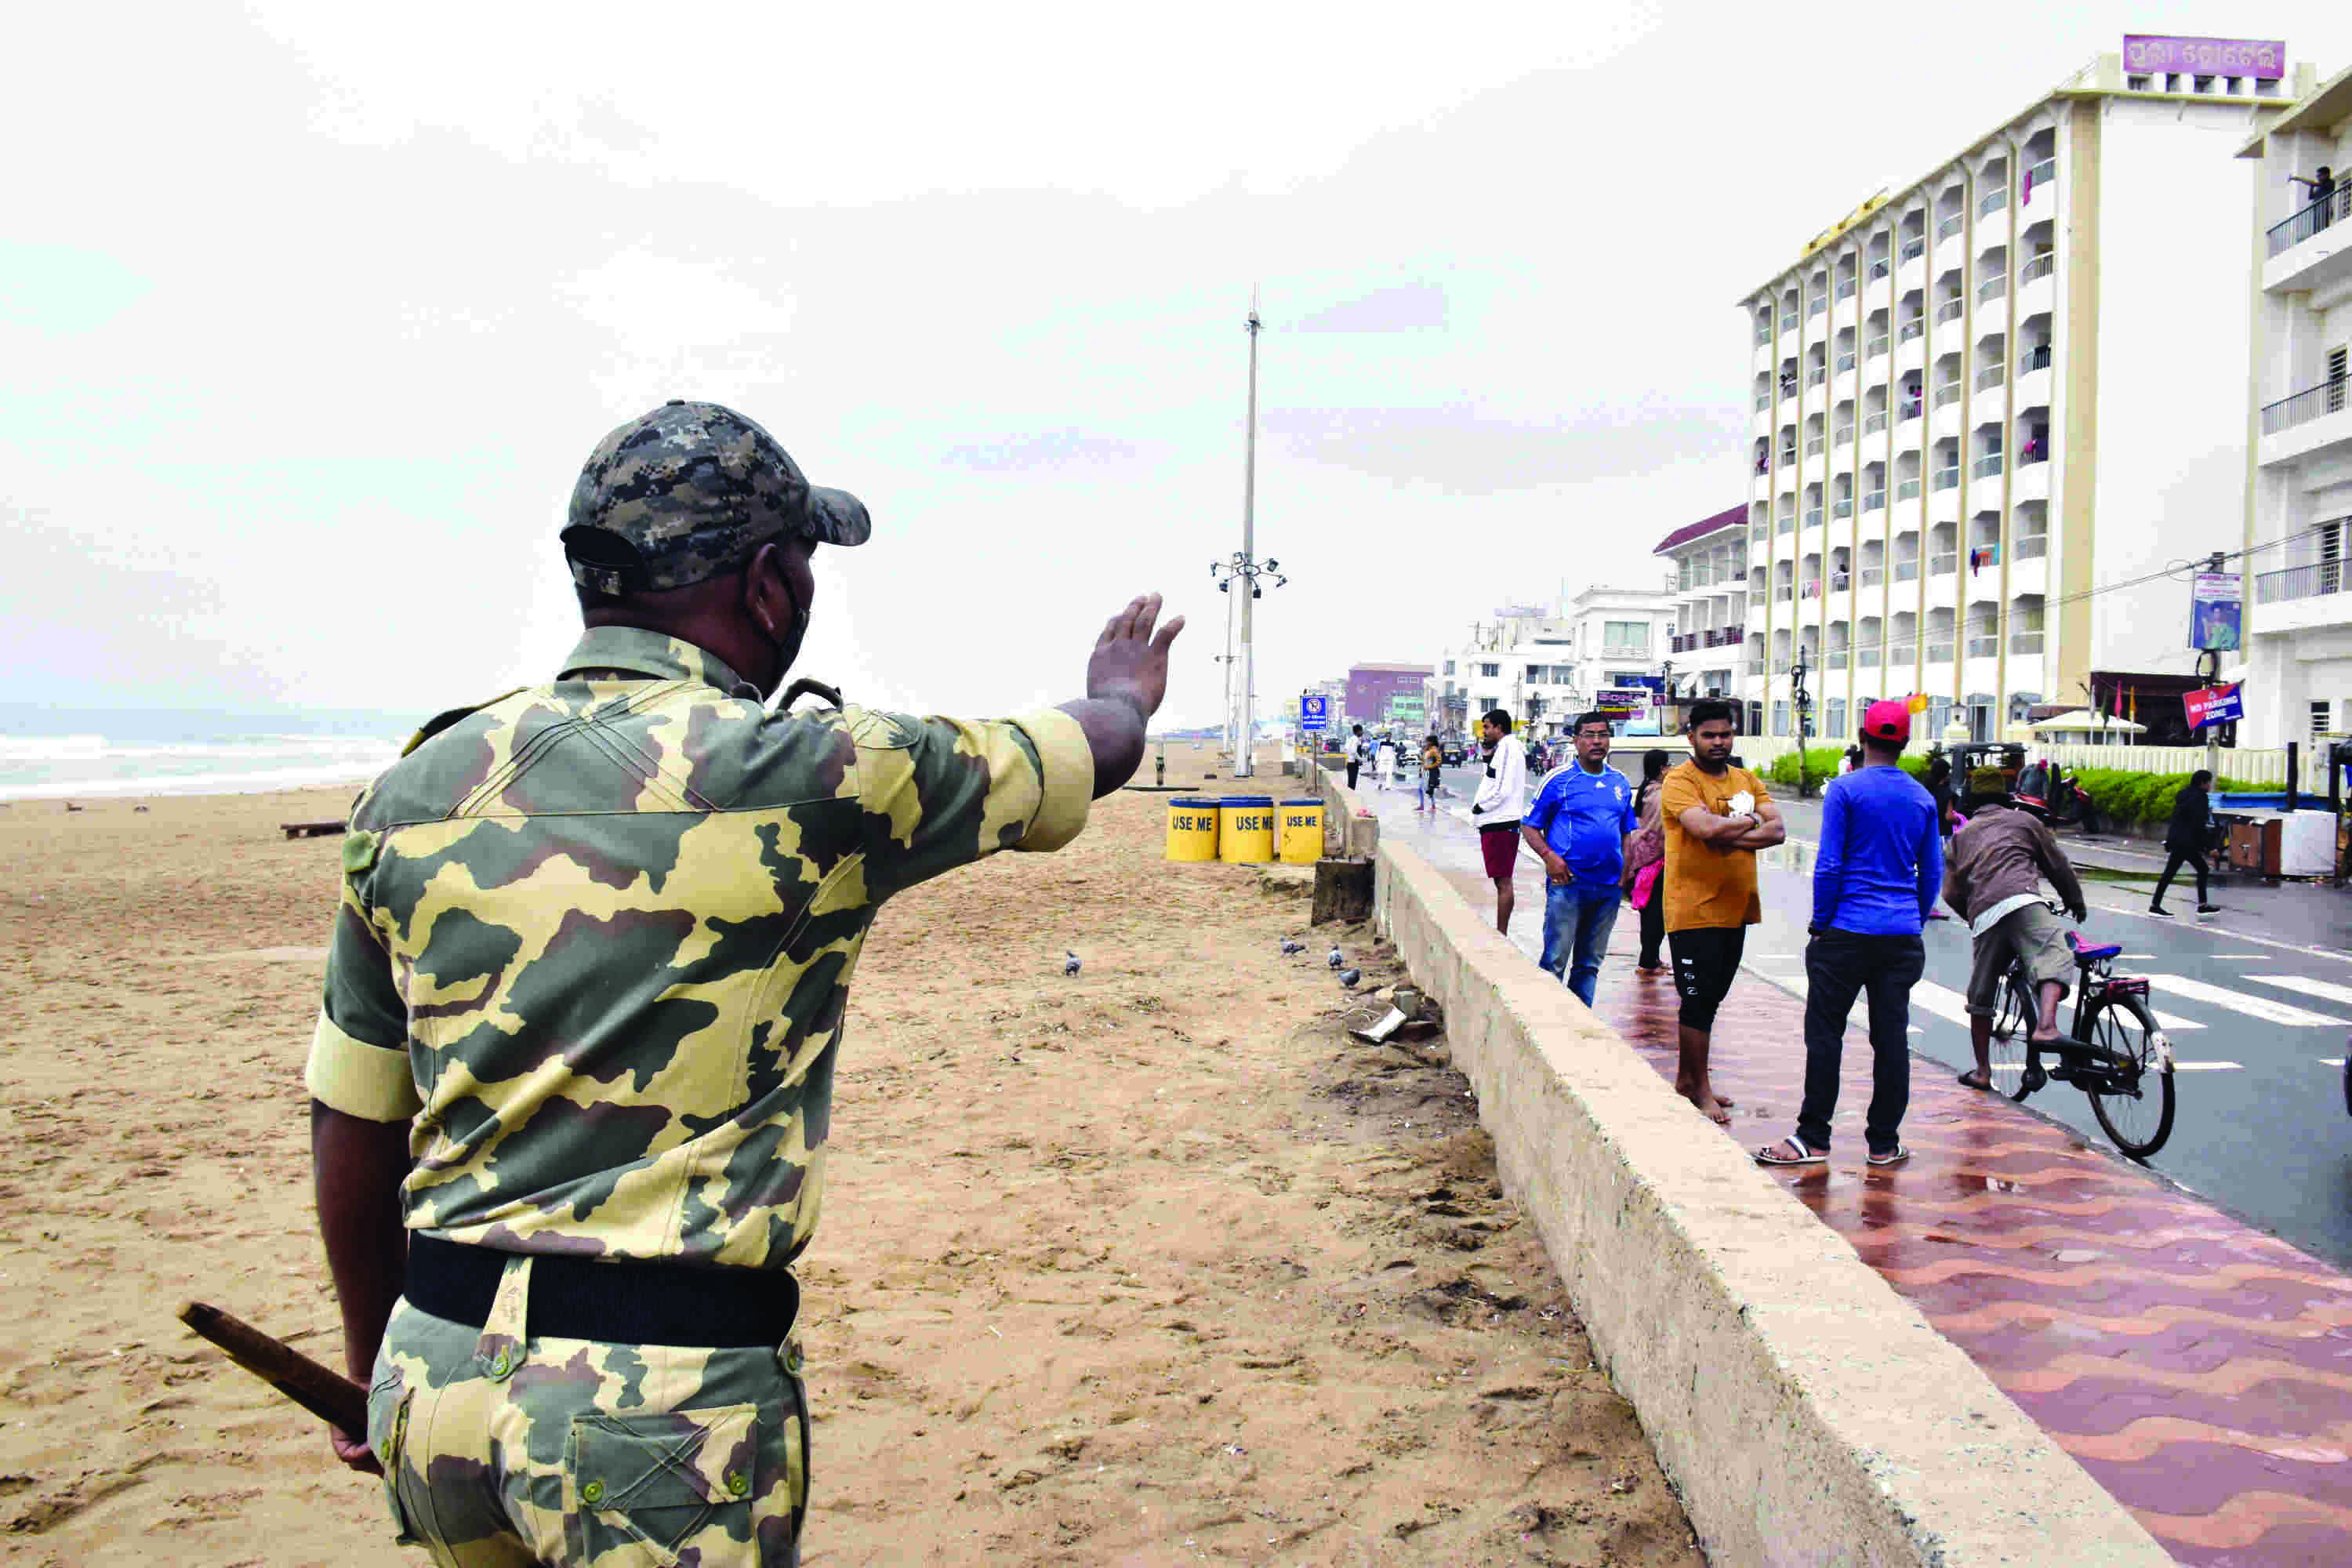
x: 1152, y: 1265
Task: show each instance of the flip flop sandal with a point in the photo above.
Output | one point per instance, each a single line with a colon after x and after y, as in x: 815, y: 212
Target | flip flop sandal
x: 1968, y: 1080
x: 1776, y: 1153
x: 1894, y: 1156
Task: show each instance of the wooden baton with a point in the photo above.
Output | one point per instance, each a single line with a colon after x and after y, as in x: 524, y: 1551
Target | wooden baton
x: 321, y: 1390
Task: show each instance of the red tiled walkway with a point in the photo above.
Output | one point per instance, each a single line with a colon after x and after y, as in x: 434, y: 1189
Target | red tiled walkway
x: 2201, y: 1369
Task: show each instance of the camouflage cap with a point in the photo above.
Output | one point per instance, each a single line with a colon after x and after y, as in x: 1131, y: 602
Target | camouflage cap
x: 688, y: 491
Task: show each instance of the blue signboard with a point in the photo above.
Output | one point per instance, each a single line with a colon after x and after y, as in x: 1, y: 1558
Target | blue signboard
x: 1314, y: 712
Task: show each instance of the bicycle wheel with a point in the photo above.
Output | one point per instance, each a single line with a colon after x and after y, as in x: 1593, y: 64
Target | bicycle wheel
x: 2138, y: 1117
x: 2012, y: 1025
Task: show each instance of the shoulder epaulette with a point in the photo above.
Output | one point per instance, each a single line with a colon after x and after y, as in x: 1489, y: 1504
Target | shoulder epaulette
x: 441, y: 721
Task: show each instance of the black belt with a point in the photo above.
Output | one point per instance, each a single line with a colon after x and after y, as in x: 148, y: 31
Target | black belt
x: 620, y: 1302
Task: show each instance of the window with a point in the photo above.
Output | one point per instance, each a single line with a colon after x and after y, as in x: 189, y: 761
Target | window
x: 1625, y: 639
x: 1780, y: 717
x: 1837, y: 717
x: 2318, y: 719
x: 1490, y: 669
x: 1449, y: 666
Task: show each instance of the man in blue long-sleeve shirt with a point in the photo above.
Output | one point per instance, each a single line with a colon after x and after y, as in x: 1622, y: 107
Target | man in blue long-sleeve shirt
x: 1875, y: 879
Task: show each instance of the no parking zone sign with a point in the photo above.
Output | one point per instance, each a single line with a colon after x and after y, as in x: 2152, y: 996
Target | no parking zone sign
x: 1314, y: 713
x: 2215, y: 705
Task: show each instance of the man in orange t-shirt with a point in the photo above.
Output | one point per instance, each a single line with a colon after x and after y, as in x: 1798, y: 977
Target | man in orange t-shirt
x: 1715, y: 816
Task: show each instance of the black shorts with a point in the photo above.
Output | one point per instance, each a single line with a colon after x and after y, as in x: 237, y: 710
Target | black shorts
x: 1706, y: 961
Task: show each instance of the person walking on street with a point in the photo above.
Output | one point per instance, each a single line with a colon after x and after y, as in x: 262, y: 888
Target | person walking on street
x: 1717, y: 816
x: 1355, y: 754
x: 1433, y: 758
x: 1496, y: 808
x: 1940, y: 790
x: 2185, y: 838
x: 594, y: 978
x: 1646, y: 863
x: 1581, y: 825
x: 1993, y: 882
x: 1875, y: 877
x: 1388, y: 762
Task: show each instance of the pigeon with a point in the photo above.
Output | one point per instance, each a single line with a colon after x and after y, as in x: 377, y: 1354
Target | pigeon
x: 1348, y: 977
x: 1290, y: 946
x: 1334, y: 960
x: 1069, y: 963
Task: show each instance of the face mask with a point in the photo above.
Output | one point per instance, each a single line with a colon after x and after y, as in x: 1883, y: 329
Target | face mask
x: 787, y: 646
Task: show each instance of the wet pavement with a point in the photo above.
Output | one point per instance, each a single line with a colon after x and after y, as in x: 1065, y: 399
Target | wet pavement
x: 2198, y: 1367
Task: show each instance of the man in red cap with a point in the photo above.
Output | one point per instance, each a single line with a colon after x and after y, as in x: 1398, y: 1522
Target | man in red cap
x: 1875, y: 879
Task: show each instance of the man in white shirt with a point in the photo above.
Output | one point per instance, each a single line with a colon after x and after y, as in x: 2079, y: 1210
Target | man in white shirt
x: 1501, y: 801
x: 1357, y: 747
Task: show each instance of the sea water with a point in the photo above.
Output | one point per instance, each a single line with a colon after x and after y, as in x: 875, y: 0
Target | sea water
x: 49, y: 754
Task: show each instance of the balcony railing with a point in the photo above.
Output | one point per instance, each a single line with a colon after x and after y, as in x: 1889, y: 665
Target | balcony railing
x: 1845, y: 364
x: 1983, y: 648
x: 1843, y: 507
x: 2041, y: 266
x: 1789, y: 524
x: 1992, y: 200
x: 1907, y: 571
x: 1812, y: 588
x: 1992, y: 285
x: 1789, y: 322
x: 1812, y: 446
x: 2036, y: 358
x: 1875, y: 501
x: 1911, y: 329
x: 1991, y: 375
x: 1912, y: 247
x: 1875, y: 346
x: 1947, y: 392
x: 1951, y: 225
x: 1984, y: 467
x: 2311, y: 402
x: 2332, y: 208
x: 1842, y: 434
x: 1946, y: 477
x: 2299, y: 582
x: 1789, y: 453
x: 1812, y: 517
x: 1816, y: 376
x: 1780, y: 667
x: 1880, y: 268
x: 1845, y: 287
x: 1759, y: 531
x: 1872, y: 577
x: 1786, y: 593
x: 1836, y: 658
x: 1763, y: 401
x: 2034, y: 453
x: 2040, y: 178
x: 1950, y: 311
x: 1764, y: 334
x: 2032, y: 549
x: 1755, y: 666
x: 1869, y: 659
x: 1910, y: 409
x: 1872, y: 423
x: 2025, y: 644
x: 1902, y: 652
x: 1906, y: 489
x: 1939, y: 653
x: 1944, y: 564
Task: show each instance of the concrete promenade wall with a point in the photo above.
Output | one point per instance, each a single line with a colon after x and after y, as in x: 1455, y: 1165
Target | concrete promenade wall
x: 1808, y: 1414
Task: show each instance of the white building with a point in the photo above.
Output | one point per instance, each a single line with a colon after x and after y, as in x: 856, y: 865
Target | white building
x: 1708, y: 649
x: 1990, y: 401
x: 2298, y: 535
x: 1544, y: 668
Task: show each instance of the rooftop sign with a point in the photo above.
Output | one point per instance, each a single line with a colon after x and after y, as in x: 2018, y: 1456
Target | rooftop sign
x: 2264, y: 59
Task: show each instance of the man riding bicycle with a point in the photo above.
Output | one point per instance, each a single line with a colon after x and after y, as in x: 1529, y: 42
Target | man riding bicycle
x: 1993, y: 880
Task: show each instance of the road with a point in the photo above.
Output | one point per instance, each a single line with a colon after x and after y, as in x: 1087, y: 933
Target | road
x: 2259, y: 1024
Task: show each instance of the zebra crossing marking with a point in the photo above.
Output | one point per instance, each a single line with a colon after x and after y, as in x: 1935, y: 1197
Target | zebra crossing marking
x: 2321, y: 988
x: 2261, y: 1007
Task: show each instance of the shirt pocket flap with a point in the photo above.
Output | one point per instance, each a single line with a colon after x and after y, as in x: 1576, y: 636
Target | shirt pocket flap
x: 667, y: 1459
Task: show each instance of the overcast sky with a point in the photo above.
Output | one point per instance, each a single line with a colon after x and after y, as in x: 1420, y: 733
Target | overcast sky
x: 310, y: 315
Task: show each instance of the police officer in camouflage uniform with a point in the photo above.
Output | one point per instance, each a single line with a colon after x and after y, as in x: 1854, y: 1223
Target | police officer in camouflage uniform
x: 573, y: 1072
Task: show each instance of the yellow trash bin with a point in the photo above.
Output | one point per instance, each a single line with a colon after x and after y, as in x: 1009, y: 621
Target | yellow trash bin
x: 1245, y: 828
x: 1191, y: 829
x: 1302, y: 832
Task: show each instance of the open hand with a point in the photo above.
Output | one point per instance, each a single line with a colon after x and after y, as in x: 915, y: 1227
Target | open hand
x: 1130, y: 664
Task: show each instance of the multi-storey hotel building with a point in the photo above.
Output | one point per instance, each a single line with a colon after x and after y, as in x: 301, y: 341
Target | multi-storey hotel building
x: 1991, y: 402
x: 1707, y: 655
x: 2298, y: 538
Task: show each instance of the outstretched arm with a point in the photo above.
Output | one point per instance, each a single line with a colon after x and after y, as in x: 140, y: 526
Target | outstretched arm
x: 1126, y: 678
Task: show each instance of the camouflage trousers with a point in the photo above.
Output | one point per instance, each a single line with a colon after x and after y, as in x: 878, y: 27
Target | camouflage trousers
x: 502, y: 1451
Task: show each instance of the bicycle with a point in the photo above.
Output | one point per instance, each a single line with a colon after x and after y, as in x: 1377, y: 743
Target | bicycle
x: 2116, y: 1054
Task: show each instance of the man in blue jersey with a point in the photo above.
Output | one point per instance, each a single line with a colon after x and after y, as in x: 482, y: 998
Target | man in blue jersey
x: 1875, y: 879
x: 1583, y: 816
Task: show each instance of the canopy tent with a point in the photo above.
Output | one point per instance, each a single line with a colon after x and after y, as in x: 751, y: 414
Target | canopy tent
x: 2076, y: 724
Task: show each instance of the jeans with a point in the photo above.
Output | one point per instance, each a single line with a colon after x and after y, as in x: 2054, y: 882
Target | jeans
x: 1838, y: 965
x: 2172, y: 863
x: 1654, y: 926
x: 1578, y: 916
x: 1352, y: 766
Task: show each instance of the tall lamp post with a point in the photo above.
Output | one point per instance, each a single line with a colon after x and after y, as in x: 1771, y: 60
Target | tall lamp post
x: 1665, y: 718
x: 1799, y: 702
x: 1251, y: 575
